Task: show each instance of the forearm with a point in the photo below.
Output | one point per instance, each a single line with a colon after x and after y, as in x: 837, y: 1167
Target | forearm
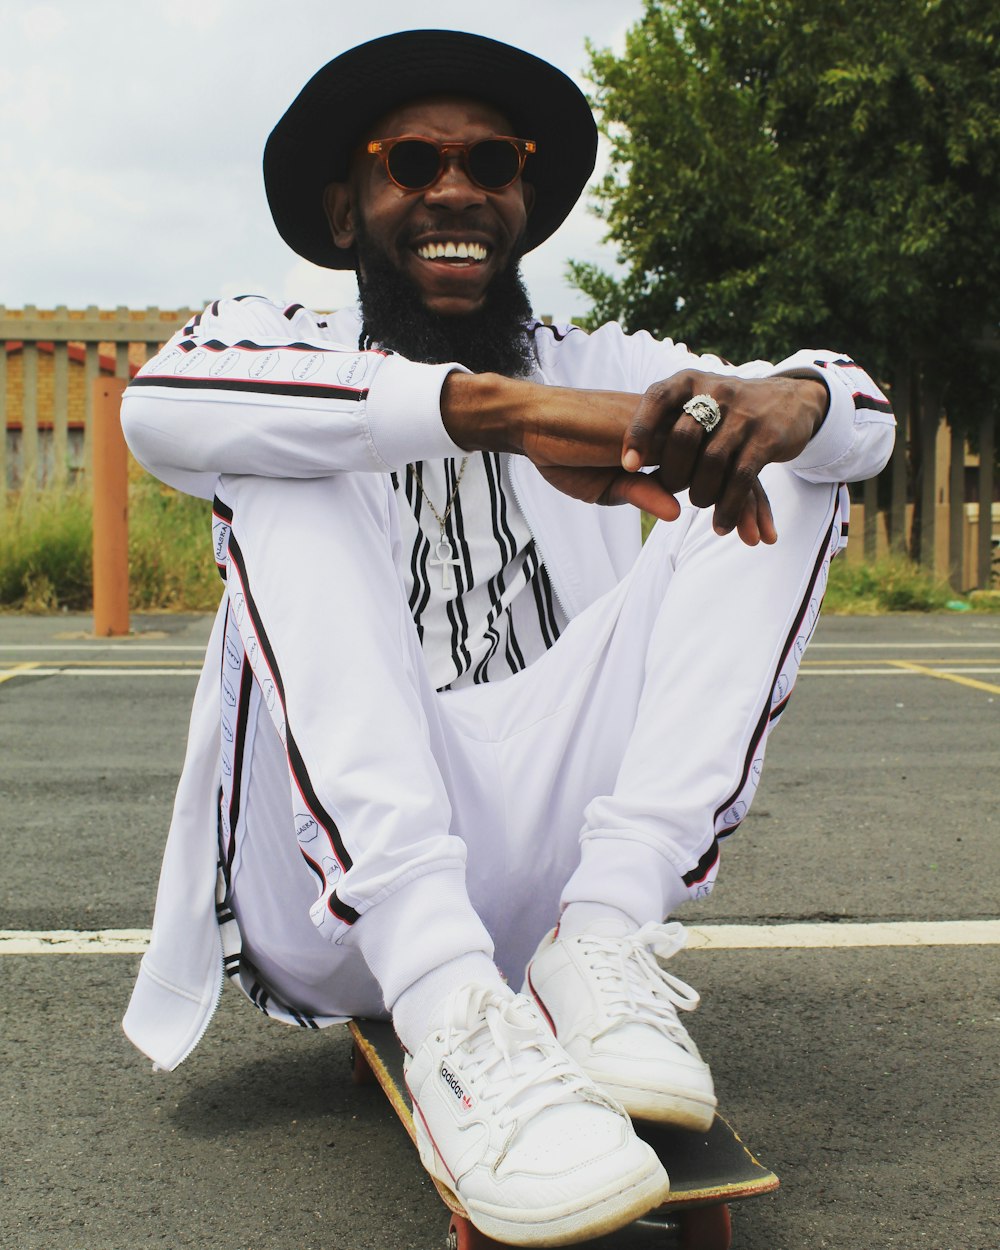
x: 552, y: 425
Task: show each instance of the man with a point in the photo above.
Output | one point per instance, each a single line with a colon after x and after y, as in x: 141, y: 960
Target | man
x: 453, y: 727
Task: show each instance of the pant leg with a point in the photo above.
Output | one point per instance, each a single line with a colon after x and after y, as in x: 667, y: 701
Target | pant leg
x: 631, y: 747
x: 722, y: 657
x: 316, y: 595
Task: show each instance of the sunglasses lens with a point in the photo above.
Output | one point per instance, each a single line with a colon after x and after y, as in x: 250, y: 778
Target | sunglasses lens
x: 414, y: 164
x: 494, y: 163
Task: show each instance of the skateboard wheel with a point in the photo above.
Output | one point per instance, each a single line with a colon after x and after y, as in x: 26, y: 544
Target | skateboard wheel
x: 463, y: 1235
x: 705, y: 1228
x: 360, y: 1068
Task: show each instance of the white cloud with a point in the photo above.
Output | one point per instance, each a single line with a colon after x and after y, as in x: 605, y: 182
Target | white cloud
x: 43, y: 21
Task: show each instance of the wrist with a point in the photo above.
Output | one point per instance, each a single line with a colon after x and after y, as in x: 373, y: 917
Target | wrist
x: 820, y: 396
x: 481, y: 411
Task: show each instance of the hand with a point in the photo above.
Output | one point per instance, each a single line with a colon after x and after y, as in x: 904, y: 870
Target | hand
x: 764, y: 421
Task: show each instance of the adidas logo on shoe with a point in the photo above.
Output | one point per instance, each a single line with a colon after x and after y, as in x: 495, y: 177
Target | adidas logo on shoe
x: 455, y: 1085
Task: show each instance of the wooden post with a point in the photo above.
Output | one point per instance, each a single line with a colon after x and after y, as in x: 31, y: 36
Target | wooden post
x: 930, y: 418
x: 3, y: 421
x: 870, y: 499
x: 956, y: 511
x: 110, y: 491
x: 29, y: 410
x: 984, y: 547
x: 901, y: 394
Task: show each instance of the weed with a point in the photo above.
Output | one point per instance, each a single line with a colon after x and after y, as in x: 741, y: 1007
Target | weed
x: 46, y: 559
x: 892, y: 584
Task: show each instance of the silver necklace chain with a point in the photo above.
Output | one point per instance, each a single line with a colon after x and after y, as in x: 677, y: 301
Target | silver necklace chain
x: 444, y: 553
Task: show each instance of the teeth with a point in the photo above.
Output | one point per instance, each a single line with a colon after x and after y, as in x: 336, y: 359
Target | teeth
x: 453, y: 251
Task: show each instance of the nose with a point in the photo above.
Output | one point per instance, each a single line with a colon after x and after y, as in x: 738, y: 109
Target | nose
x: 454, y: 189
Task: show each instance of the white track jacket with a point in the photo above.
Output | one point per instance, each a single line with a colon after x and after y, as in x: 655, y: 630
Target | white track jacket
x: 253, y: 387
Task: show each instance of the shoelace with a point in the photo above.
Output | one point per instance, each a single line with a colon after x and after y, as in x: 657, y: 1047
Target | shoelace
x: 516, y: 1064
x: 633, y: 985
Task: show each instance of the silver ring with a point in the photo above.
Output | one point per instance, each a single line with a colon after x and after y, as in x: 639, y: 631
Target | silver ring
x: 705, y: 410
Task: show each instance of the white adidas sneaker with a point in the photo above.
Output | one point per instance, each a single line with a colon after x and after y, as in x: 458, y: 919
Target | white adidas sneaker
x: 614, y: 1010
x: 537, y: 1154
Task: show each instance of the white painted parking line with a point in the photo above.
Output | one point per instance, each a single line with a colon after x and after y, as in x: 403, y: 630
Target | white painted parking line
x: 839, y: 935
x: 901, y: 668
x: 27, y: 670
x: 129, y: 647
x: 903, y: 646
x: 73, y: 941
x: 188, y: 668
x: 711, y: 937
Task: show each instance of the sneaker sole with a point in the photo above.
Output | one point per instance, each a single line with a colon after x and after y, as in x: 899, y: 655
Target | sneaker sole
x: 560, y: 1225
x: 661, y: 1108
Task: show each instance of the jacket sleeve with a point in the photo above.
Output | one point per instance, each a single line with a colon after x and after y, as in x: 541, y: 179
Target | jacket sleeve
x: 244, y: 388
x: 856, y: 439
x: 853, y: 443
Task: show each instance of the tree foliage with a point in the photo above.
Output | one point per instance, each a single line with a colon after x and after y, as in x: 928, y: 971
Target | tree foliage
x: 806, y: 172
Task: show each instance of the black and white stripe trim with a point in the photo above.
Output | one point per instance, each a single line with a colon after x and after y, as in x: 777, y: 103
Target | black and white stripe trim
x: 300, y: 774
x: 786, y: 668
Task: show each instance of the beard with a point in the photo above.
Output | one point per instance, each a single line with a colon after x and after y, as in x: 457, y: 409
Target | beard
x: 493, y: 339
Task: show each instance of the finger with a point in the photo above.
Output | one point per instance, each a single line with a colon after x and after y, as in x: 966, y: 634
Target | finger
x: 680, y: 454
x: 756, y: 522
x: 747, y: 526
x: 765, y: 517
x: 739, y: 482
x: 654, y: 415
x: 642, y: 490
x: 719, y: 451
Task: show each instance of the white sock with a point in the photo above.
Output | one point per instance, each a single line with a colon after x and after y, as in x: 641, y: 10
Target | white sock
x: 419, y: 1008
x: 577, y: 918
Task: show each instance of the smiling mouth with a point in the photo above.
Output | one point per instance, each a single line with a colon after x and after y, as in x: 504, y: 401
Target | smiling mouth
x: 461, y: 253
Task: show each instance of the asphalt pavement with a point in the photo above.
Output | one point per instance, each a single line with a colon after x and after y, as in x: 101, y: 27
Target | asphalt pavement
x: 865, y: 1076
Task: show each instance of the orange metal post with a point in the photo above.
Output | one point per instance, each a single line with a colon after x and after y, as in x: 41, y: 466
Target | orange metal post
x: 110, y: 510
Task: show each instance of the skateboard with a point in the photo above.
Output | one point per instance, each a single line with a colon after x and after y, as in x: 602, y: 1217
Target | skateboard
x: 707, y: 1170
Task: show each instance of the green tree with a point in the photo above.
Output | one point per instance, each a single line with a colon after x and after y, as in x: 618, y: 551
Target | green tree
x: 827, y: 172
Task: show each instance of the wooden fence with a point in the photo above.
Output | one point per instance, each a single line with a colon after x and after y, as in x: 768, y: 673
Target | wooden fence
x: 945, y: 497
x: 52, y: 357
x: 49, y: 362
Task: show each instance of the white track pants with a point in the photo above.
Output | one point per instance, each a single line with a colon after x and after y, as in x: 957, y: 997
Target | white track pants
x: 375, y: 829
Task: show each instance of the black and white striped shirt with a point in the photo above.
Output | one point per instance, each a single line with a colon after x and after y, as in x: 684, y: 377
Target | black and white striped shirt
x: 498, y: 613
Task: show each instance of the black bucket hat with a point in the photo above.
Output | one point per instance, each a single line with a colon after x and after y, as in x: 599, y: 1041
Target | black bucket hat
x: 313, y: 142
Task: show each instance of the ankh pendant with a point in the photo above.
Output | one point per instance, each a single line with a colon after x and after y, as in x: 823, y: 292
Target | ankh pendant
x: 445, y: 556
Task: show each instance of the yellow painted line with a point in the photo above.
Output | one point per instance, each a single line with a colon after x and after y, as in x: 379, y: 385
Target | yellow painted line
x: 910, y: 667
x: 710, y: 937
x: 19, y: 670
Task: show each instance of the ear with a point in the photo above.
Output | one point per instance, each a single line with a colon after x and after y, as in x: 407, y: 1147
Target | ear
x: 529, y: 195
x: 339, y: 213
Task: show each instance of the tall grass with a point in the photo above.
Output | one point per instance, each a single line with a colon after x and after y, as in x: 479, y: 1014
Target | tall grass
x: 892, y: 584
x: 45, y: 551
x: 46, y: 562
x: 171, y: 564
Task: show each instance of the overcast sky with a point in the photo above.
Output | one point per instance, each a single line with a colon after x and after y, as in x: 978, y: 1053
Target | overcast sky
x: 131, y: 133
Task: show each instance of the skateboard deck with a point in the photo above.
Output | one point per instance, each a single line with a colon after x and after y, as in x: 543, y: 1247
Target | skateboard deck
x: 706, y: 1170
